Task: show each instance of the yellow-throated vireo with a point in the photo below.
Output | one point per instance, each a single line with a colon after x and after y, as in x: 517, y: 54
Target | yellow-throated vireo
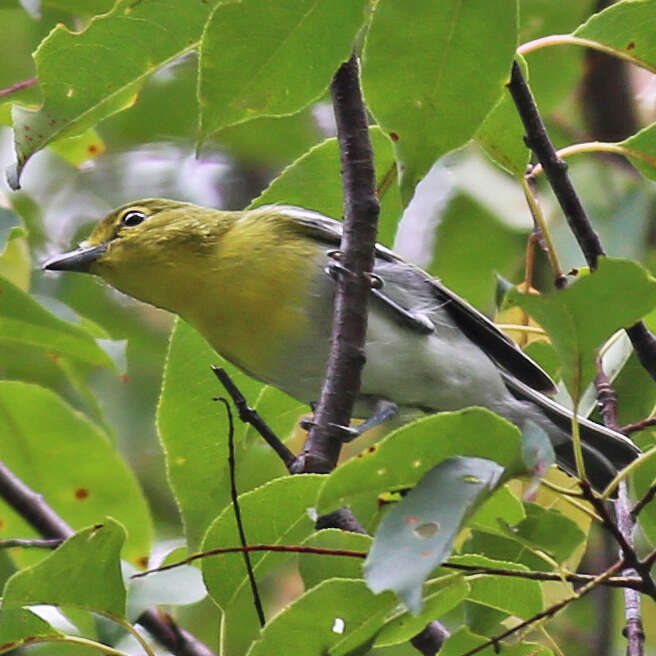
x: 256, y: 285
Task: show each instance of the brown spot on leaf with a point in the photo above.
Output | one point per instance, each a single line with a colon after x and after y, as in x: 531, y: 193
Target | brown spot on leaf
x: 92, y: 149
x: 2, y: 523
x: 371, y: 449
x: 142, y: 562
x: 53, y: 356
x: 394, y: 136
x: 124, y: 378
x: 631, y: 45
x: 81, y: 493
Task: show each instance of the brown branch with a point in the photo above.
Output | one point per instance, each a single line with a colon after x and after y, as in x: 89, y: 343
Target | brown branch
x: 24, y: 84
x: 621, y: 535
x: 633, y: 629
x: 342, y: 380
x: 33, y: 509
x: 638, y: 425
x: 555, y: 169
x: 250, y: 416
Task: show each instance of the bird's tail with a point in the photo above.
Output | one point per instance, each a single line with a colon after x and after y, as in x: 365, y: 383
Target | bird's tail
x: 605, y: 451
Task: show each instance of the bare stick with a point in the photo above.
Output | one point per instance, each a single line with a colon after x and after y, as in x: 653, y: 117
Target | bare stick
x: 250, y: 416
x: 257, y: 601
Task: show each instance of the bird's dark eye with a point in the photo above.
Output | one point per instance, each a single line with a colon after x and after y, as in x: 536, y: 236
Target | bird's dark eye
x: 132, y: 218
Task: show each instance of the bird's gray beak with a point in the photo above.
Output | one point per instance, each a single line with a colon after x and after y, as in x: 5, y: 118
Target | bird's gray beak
x: 78, y: 260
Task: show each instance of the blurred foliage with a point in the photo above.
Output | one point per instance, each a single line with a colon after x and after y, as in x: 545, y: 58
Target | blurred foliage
x: 107, y: 416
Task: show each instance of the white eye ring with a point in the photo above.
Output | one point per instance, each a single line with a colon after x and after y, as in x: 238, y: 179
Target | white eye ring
x: 133, y: 218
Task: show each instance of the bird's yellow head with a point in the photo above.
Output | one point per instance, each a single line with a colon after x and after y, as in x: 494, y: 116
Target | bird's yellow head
x: 148, y: 246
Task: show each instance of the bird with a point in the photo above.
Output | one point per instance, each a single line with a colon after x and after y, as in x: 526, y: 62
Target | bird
x: 258, y: 284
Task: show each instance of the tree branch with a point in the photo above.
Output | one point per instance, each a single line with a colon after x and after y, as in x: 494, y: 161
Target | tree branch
x: 555, y: 169
x: 33, y: 509
x: 342, y: 381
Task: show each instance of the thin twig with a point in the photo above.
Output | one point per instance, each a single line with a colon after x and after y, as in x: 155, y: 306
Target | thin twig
x: 257, y: 601
x: 251, y: 416
x: 30, y: 543
x: 633, y: 582
x: 18, y: 86
x: 638, y: 425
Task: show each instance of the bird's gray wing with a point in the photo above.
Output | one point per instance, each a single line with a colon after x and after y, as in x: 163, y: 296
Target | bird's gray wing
x: 474, y: 324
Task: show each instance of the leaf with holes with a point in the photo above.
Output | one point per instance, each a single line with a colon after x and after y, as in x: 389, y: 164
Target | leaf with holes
x: 417, y: 534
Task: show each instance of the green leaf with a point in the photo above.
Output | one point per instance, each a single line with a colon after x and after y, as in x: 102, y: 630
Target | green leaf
x: 404, y: 456
x: 643, y: 479
x: 642, y: 147
x: 286, y: 54
x: 313, y: 182
x: 63, y: 456
x: 549, y: 531
x: 442, y: 595
x: 81, y: 7
x: 540, y: 18
x: 24, y: 321
x: 460, y: 58
x: 514, y: 596
x: 194, y: 432
x: 579, y: 318
x: 89, y: 75
x: 315, y: 568
x: 18, y: 625
x: 492, y: 248
x: 501, y: 134
x: 83, y: 572
x: 292, y: 497
x: 79, y: 149
x: 417, y: 534
x: 502, y: 508
x: 339, y: 614
x: 627, y: 28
